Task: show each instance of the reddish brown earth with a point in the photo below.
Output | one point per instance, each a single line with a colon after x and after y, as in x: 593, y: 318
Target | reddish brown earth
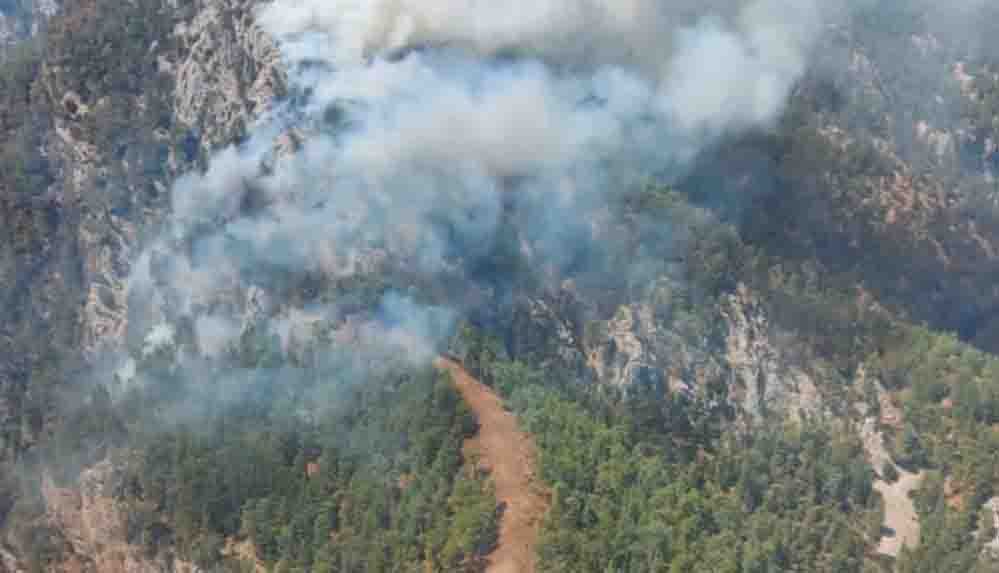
x: 510, y: 457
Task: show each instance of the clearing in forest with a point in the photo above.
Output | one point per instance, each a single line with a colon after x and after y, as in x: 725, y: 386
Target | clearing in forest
x: 901, y: 520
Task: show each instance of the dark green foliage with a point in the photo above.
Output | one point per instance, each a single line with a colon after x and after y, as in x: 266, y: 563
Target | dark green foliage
x: 22, y: 124
x: 946, y: 539
x: 650, y: 483
x: 658, y: 497
x: 372, y: 485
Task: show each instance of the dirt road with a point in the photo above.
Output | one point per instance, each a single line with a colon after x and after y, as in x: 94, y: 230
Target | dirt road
x: 510, y: 456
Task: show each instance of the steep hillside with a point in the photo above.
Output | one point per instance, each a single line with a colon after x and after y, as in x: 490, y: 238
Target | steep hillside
x: 695, y: 246
x: 100, y: 111
x: 91, y: 145
x: 509, y: 457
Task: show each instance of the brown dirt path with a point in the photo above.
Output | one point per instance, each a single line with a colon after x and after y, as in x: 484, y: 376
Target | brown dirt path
x: 511, y: 458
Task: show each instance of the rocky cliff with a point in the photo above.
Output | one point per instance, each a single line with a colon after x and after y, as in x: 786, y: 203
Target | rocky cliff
x: 126, y: 97
x: 224, y: 72
x: 733, y: 346
x: 108, y: 136
x: 101, y: 526
x: 109, y: 154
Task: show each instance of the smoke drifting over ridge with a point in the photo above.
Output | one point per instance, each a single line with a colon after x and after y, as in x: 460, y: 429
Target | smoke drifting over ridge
x: 717, y: 65
x: 444, y: 108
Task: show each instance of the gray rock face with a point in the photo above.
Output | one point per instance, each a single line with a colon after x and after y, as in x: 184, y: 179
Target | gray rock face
x: 229, y: 71
x: 738, y: 347
x: 75, y: 242
x: 95, y: 522
x: 624, y: 357
x: 764, y: 377
x: 225, y: 72
x: 8, y: 562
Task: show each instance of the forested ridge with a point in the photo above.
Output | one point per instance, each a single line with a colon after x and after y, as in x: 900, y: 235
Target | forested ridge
x: 699, y: 353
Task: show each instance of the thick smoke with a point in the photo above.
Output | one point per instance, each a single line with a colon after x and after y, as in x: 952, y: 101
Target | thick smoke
x: 422, y: 120
x: 708, y: 65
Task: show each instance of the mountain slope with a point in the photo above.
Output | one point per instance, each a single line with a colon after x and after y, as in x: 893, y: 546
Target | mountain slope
x: 222, y: 211
x: 508, y: 456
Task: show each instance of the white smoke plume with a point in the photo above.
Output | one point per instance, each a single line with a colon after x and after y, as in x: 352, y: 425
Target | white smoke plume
x: 706, y: 64
x: 444, y: 108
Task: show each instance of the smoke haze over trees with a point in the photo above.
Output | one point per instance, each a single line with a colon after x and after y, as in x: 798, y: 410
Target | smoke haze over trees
x: 696, y: 246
